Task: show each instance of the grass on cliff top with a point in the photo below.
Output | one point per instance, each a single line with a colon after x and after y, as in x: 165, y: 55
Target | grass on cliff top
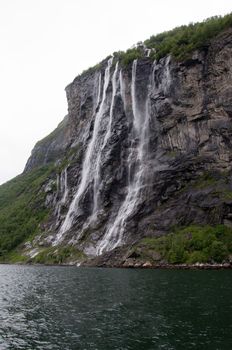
x: 22, y: 208
x: 192, y: 244
x: 183, y: 40
x: 179, y: 42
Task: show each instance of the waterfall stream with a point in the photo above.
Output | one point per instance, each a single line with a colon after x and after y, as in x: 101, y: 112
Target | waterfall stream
x: 62, y: 187
x: 97, y: 175
x: 137, y: 160
x: 89, y: 163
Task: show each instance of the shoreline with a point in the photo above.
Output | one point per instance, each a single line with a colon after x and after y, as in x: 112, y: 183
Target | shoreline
x: 145, y: 266
x: 187, y: 267
x: 171, y: 266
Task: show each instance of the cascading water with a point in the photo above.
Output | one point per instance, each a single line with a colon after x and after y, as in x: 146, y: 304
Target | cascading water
x: 136, y: 159
x: 99, y: 90
x: 140, y: 163
x: 122, y: 88
x: 148, y: 52
x: 164, y: 85
x: 62, y: 188
x: 97, y: 177
x: 89, y: 164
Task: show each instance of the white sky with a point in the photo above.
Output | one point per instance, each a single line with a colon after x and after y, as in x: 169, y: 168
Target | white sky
x: 45, y: 43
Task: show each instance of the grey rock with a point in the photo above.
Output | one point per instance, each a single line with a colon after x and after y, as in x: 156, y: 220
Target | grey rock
x: 186, y: 171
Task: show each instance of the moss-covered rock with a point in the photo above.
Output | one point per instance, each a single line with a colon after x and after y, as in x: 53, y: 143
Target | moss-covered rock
x: 59, y: 255
x: 22, y: 208
x: 192, y: 244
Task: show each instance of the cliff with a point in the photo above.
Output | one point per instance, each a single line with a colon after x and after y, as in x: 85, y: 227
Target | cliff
x: 145, y: 151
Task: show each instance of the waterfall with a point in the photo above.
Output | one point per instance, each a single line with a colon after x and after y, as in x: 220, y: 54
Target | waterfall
x: 57, y: 187
x: 122, y: 88
x: 162, y: 86
x: 64, y: 186
x: 90, y: 157
x: 136, y: 158
x: 99, y: 90
x: 97, y: 176
x: 148, y: 52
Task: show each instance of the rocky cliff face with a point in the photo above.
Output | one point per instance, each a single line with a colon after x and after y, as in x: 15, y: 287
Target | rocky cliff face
x: 144, y: 148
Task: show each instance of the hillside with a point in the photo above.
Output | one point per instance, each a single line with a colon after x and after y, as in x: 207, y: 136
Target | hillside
x: 139, y: 171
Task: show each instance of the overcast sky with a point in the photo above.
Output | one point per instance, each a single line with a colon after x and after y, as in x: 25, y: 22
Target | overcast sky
x: 46, y: 43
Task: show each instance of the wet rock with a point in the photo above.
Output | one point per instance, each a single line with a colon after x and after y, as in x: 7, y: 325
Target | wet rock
x: 146, y: 147
x: 129, y: 263
x: 147, y: 264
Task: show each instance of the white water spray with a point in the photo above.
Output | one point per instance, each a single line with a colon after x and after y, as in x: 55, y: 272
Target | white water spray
x: 97, y: 177
x: 114, y: 235
x: 148, y: 53
x: 122, y: 88
x: 90, y: 158
x: 64, y: 185
x: 99, y: 90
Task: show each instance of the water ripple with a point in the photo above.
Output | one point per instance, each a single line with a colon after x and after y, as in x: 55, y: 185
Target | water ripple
x: 71, y: 308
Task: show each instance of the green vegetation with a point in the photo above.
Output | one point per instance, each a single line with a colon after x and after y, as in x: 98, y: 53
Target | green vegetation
x: 92, y: 69
x: 71, y: 156
x: 227, y: 195
x: 125, y: 58
x: 172, y: 154
x: 22, y: 208
x: 54, y: 134
x: 206, y: 180
x: 14, y: 257
x: 181, y: 41
x: 43, y: 144
x: 22, y: 200
x: 192, y: 244
x: 58, y: 255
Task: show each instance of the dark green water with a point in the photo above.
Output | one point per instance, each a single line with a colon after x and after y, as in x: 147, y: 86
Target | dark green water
x: 76, y: 308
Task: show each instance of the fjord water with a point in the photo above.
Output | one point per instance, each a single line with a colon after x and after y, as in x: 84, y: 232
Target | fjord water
x: 81, y: 308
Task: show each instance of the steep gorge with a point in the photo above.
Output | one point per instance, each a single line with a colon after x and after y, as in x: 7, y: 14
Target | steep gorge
x: 145, y: 149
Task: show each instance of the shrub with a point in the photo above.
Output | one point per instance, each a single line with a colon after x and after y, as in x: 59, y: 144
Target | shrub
x: 181, y: 41
x: 192, y: 244
x: 58, y: 255
x: 218, y: 251
x: 197, y: 257
x: 22, y: 208
x: 126, y: 58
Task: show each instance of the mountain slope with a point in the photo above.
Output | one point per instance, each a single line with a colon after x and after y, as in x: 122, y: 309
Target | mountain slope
x: 144, y: 152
